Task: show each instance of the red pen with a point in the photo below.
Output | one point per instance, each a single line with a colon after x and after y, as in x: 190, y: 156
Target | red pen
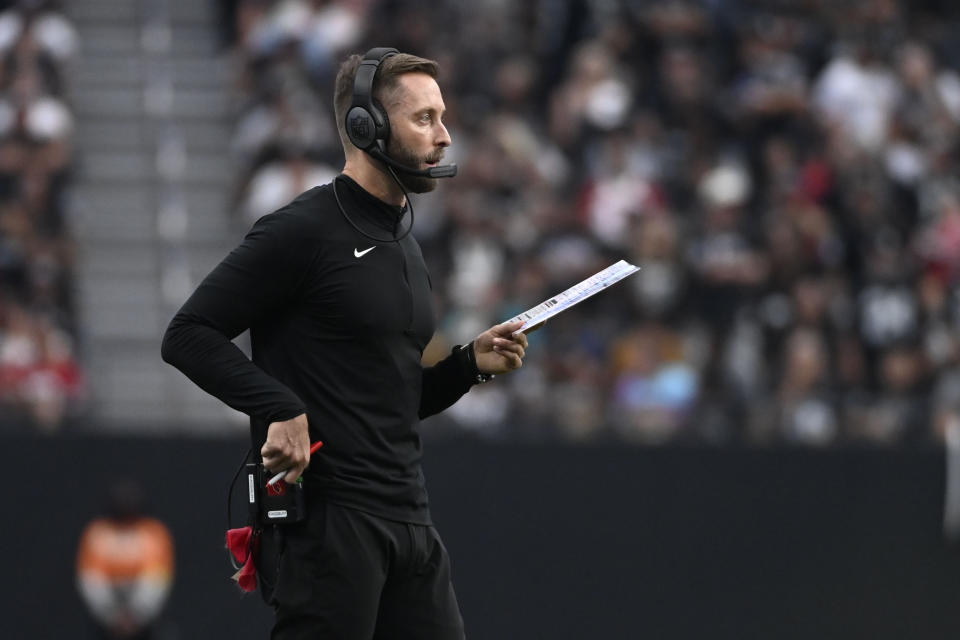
x: 279, y: 476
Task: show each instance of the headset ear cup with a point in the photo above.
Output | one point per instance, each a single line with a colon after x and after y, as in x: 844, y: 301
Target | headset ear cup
x: 381, y: 120
x: 361, y: 128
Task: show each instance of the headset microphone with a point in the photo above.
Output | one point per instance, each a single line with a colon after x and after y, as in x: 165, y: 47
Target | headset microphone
x: 443, y: 171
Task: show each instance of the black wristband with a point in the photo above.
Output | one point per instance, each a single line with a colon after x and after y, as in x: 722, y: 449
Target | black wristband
x: 469, y: 360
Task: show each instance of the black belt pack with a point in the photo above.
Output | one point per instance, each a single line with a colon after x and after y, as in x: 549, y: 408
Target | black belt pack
x: 271, y: 504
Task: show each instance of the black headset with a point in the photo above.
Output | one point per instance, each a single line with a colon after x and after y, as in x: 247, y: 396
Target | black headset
x: 367, y: 124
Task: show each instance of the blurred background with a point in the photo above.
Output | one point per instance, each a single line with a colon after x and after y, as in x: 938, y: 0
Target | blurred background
x: 757, y: 428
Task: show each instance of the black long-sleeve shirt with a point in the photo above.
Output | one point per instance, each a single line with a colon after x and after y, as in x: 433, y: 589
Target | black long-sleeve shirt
x: 338, y: 323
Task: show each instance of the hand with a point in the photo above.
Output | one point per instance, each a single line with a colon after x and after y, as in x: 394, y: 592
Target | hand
x: 287, y: 447
x: 499, y: 350
x: 124, y: 626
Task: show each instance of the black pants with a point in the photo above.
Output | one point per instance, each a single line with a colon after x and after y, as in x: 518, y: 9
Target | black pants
x: 347, y: 575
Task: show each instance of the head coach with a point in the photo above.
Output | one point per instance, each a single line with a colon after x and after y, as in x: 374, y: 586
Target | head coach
x: 335, y: 292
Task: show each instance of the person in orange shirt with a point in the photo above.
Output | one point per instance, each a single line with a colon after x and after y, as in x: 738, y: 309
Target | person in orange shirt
x: 125, y: 566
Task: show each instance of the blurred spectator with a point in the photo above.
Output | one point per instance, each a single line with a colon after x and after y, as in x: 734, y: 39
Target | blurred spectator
x: 277, y: 183
x: 654, y: 389
x: 897, y: 411
x: 855, y: 94
x: 39, y: 375
x: 40, y: 380
x: 125, y: 566
x: 785, y: 174
x: 804, y: 406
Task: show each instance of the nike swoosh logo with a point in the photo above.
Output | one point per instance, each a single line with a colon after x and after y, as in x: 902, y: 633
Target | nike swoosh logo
x: 360, y: 254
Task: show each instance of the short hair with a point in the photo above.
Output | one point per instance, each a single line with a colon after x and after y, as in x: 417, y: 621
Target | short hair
x: 385, y: 84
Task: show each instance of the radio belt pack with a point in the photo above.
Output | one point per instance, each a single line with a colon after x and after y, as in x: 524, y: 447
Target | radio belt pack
x: 272, y: 503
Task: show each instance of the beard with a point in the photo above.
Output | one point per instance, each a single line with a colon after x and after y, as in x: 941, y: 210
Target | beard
x: 405, y: 156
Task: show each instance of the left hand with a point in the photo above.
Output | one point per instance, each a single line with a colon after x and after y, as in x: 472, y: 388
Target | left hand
x: 498, y: 350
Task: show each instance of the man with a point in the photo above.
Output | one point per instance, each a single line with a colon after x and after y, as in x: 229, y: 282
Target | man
x: 125, y: 567
x: 337, y: 298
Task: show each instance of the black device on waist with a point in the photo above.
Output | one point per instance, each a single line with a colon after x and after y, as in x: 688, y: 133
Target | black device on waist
x: 272, y: 504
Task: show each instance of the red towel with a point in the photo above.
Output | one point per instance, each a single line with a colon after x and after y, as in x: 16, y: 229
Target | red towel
x: 243, y: 544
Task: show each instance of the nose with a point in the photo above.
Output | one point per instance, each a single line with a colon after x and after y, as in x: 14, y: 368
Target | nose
x: 443, y: 136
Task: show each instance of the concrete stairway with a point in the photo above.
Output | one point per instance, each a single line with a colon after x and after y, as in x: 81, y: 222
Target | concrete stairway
x: 149, y: 204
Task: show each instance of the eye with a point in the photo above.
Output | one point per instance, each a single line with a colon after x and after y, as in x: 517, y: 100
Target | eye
x: 426, y: 117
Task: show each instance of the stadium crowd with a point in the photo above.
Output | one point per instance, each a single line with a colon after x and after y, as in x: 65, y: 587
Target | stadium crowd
x: 784, y: 173
x: 40, y: 380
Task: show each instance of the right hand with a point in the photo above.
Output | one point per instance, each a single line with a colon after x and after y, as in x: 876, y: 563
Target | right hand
x: 287, y: 447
